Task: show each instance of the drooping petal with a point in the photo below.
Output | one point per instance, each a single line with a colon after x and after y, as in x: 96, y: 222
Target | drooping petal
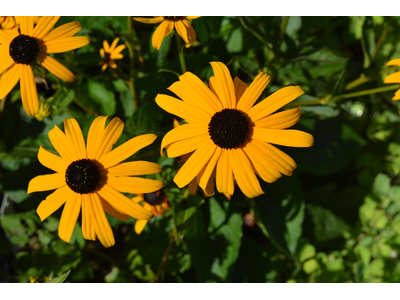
x: 224, y: 175
x: 280, y: 120
x: 182, y: 132
x: 87, y: 222
x: 55, y: 67
x: 191, y: 33
x: 43, y: 27
x: 392, y: 78
x: 180, y: 148
x: 240, y: 88
x: 93, y: 140
x: 244, y: 174
x: 134, y: 168
x: 188, y: 112
x: 140, y: 225
x: 195, y: 163
x: 59, y: 142
x: 153, y: 20
x: 69, y: 217
x: 126, y: 150
x: 29, y: 96
x: 123, y: 203
x: 65, y: 44
x: 9, y: 79
x: 182, y: 31
x: 75, y: 138
x: 51, y: 161
x: 275, y: 101
x: 107, y: 138
x: 224, y: 85
x: 46, y: 182
x: 163, y: 30
x: 112, y: 211
x: 101, y: 225
x: 254, y: 91
x: 64, y: 31
x: 53, y: 202
x: 288, y: 137
x: 134, y: 185
x: 209, y: 170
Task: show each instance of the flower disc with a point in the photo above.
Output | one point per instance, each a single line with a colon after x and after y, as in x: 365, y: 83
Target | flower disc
x: 24, y: 49
x: 229, y: 128
x: 82, y: 176
x: 151, y: 198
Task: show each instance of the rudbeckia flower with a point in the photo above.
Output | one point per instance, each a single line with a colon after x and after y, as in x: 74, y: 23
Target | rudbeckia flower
x: 230, y: 136
x: 394, y: 78
x: 18, y: 50
x: 156, y: 202
x: 110, y: 53
x: 92, y: 178
x: 181, y: 24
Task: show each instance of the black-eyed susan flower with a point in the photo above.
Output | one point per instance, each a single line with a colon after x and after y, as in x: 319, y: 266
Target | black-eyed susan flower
x: 230, y: 137
x: 394, y: 78
x: 91, y: 177
x: 181, y: 24
x: 156, y: 202
x: 110, y: 53
x: 19, y: 49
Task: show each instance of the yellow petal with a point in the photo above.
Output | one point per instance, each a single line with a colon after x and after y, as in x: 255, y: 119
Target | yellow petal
x: 101, y: 225
x: 59, y: 142
x: 254, y: 91
x: 153, y: 20
x: 64, y: 31
x: 87, y: 222
x: 55, y: 67
x: 394, y: 62
x: 274, y: 102
x: 9, y: 79
x: 51, y: 161
x: 65, y: 44
x: 280, y: 120
x: 123, y: 203
x: 69, y: 217
x: 224, y: 85
x: 195, y: 163
x: 53, y: 202
x: 396, y: 95
x: 46, y: 182
x: 186, y: 111
x: 134, y: 185
x: 193, y: 17
x: 114, y: 44
x: 134, y: 168
x: 392, y: 78
x: 29, y: 94
x: 140, y: 225
x: 26, y: 25
x: 163, y: 30
x: 244, y: 173
x: 181, y: 133
x: 240, y: 88
x: 5, y: 38
x: 127, y: 149
x: 186, y: 146
x: 190, y: 33
x: 182, y: 30
x: 288, y: 137
x: 113, y: 212
x: 94, y: 140
x: 75, y: 138
x: 209, y: 170
x: 43, y: 27
x: 104, y: 139
x: 224, y: 175
x: 5, y: 59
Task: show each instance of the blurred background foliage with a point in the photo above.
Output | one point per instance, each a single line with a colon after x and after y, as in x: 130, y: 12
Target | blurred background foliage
x: 337, y: 219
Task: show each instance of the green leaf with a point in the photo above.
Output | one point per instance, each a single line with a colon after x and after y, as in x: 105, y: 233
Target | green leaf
x: 235, y: 42
x: 59, y: 279
x: 99, y: 94
x: 184, y: 211
x: 310, y: 266
x: 307, y: 252
x: 382, y: 185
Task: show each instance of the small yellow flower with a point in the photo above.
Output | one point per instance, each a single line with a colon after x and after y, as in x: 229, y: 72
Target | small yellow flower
x: 110, y: 53
x: 229, y: 137
x: 156, y: 202
x: 91, y: 177
x: 19, y: 49
x: 45, y: 110
x: 394, y: 78
x: 181, y: 24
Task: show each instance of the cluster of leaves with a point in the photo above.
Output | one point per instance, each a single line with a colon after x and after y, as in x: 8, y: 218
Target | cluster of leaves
x: 336, y: 219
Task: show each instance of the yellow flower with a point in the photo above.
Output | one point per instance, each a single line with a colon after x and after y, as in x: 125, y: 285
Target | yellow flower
x: 230, y: 137
x: 394, y: 78
x: 18, y: 50
x: 110, y: 54
x: 156, y: 202
x: 181, y: 24
x: 92, y: 177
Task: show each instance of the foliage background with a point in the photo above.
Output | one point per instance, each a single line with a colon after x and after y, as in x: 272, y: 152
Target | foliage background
x: 336, y: 219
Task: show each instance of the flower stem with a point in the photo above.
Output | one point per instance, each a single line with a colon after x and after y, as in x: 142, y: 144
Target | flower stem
x: 363, y: 79
x: 381, y: 38
x: 166, y: 255
x: 131, y: 82
x: 180, y: 51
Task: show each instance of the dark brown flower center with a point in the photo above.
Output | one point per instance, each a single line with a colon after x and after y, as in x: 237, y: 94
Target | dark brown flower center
x: 24, y: 49
x: 106, y: 57
x: 229, y: 128
x: 152, y: 198
x: 82, y: 176
x: 174, y: 18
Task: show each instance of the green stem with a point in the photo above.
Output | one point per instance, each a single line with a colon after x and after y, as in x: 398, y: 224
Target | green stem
x: 132, y: 64
x: 283, y: 30
x: 180, y: 51
x: 381, y: 38
x: 328, y: 98
x: 166, y: 255
x: 363, y: 79
x: 255, y: 33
